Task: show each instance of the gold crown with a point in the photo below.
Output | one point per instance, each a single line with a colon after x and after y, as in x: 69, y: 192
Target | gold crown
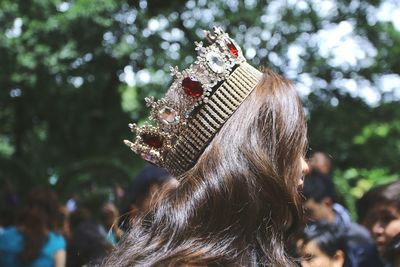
x: 196, y: 106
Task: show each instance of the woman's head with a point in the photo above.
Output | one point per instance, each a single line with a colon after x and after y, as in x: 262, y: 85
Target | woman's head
x: 249, y: 174
x: 322, y: 244
x: 46, y: 200
x: 383, y: 217
x: 237, y: 203
x: 145, y: 185
x: 258, y: 152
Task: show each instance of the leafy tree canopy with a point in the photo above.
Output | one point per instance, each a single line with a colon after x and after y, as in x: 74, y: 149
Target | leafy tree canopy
x: 74, y: 73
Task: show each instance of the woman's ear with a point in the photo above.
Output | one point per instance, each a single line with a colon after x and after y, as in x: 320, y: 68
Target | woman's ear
x: 338, y: 258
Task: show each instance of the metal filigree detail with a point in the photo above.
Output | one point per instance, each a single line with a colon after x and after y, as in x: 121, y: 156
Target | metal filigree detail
x: 193, y: 88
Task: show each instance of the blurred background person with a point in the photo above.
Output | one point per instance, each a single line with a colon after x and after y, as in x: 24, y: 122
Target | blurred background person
x: 319, y: 193
x: 109, y: 219
x: 320, y: 200
x: 320, y: 166
x: 382, y: 218
x: 320, y: 163
x: 8, y: 204
x: 89, y: 242
x: 144, y: 190
x: 323, y: 245
x: 36, y: 240
x: 366, y: 202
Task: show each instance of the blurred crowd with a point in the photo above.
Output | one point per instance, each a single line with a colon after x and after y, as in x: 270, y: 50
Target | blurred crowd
x: 329, y: 236
x: 39, y: 230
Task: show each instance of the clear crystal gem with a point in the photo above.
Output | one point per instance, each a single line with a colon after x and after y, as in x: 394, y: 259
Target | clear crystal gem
x: 215, y: 62
x: 168, y: 115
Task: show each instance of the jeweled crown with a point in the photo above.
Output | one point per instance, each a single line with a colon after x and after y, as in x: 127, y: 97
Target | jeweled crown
x: 198, y: 103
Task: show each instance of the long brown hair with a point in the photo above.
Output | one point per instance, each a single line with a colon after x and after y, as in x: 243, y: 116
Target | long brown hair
x: 238, y: 203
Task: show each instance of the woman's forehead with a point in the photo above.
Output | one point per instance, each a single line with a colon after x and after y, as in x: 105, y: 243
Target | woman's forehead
x: 384, y: 209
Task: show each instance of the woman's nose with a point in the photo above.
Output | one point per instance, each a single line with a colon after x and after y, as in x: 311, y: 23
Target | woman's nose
x: 304, y: 167
x: 377, y: 229
x: 304, y: 171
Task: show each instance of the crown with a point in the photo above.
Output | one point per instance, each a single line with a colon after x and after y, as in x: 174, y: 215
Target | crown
x: 197, y: 104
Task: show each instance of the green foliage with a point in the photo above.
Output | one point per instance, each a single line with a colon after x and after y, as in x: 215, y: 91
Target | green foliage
x: 352, y: 183
x: 6, y: 149
x: 355, y: 134
x: 74, y: 73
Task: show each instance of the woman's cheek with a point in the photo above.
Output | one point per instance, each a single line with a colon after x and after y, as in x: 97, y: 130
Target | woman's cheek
x: 392, y: 229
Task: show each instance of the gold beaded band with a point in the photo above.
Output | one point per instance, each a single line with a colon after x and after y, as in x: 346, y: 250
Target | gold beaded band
x: 210, y: 118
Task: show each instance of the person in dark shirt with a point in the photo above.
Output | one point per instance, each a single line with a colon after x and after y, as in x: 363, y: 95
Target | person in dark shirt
x: 382, y: 215
x: 319, y: 193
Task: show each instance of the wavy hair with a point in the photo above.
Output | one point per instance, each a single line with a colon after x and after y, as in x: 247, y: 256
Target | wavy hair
x: 238, y: 203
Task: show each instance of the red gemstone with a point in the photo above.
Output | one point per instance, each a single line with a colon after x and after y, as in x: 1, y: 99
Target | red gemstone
x: 232, y: 49
x: 152, y: 140
x: 192, y: 88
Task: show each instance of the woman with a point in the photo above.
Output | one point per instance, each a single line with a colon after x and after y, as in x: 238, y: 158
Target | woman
x: 35, y: 241
x: 323, y: 245
x: 382, y: 218
x: 237, y: 201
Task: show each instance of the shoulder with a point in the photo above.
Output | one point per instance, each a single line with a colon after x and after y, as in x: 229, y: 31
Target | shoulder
x: 57, y: 240
x: 342, y: 213
x: 55, y: 243
x: 359, y: 233
x: 11, y: 239
x: 361, y: 248
x: 9, y: 231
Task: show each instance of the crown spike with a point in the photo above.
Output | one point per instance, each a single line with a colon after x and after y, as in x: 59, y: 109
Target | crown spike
x: 132, y: 126
x: 150, y: 102
x: 174, y: 71
x: 128, y: 143
x: 218, y: 30
x: 210, y: 38
x: 199, y: 45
